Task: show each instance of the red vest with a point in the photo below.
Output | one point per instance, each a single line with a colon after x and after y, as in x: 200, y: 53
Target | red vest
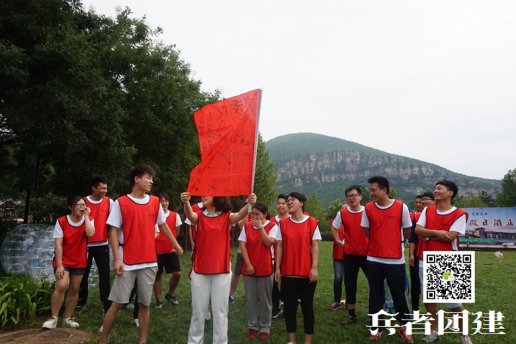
x: 259, y: 254
x: 356, y: 240
x: 385, y: 230
x: 437, y: 222
x: 99, y: 213
x: 163, y: 245
x: 74, y: 245
x: 296, y: 246
x: 212, y: 244
x: 338, y: 251
x: 138, y: 226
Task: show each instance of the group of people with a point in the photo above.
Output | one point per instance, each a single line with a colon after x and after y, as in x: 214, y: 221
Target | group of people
x: 371, y: 237
x: 279, y: 255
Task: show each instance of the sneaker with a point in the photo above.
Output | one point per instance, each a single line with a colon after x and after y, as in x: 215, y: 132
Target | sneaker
x: 277, y: 314
x: 349, y: 321
x: 136, y: 322
x: 50, y: 323
x: 406, y: 337
x: 172, y: 299
x: 336, y: 305
x: 251, y: 334
x: 343, y: 302
x: 263, y: 336
x: 465, y: 340
x: 376, y: 336
x: 70, y: 322
x: 231, y: 299
x: 432, y: 337
x: 159, y: 305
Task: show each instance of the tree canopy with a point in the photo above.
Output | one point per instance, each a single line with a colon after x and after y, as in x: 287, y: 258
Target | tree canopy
x: 83, y: 94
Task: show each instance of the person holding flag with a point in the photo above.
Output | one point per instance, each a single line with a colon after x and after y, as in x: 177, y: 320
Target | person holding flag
x: 211, y: 267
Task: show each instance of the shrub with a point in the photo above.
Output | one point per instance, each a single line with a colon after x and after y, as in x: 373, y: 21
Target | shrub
x: 22, y: 297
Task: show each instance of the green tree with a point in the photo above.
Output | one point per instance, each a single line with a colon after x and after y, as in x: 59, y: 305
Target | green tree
x: 264, y: 177
x: 83, y: 95
x: 470, y: 201
x: 333, y: 209
x: 507, y: 197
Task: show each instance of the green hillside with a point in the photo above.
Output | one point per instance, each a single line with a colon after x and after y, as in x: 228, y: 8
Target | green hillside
x: 327, y: 165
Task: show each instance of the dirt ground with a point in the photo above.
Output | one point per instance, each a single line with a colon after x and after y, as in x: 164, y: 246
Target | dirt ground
x: 39, y: 336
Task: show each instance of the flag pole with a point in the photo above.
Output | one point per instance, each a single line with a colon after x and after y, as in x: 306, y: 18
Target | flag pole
x: 256, y: 137
x: 249, y: 208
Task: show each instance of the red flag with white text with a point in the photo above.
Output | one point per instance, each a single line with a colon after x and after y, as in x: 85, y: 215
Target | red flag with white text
x: 228, y: 139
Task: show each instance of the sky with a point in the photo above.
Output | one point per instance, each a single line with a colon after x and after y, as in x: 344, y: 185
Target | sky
x: 430, y: 80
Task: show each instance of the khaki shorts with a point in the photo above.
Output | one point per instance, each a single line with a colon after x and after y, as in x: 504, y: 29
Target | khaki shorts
x: 123, y: 284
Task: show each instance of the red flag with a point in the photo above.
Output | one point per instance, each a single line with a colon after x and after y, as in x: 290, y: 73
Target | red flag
x: 228, y: 139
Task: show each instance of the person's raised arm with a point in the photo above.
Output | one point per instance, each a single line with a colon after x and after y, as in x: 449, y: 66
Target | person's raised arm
x: 88, y: 224
x: 189, y: 213
x: 235, y: 217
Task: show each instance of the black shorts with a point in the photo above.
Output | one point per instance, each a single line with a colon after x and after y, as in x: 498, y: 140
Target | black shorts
x: 169, y: 261
x: 238, y: 264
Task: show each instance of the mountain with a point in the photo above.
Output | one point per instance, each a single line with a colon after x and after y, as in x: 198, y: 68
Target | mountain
x: 308, y: 162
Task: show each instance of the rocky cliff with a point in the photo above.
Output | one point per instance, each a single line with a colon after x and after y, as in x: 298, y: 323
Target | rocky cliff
x: 316, y: 163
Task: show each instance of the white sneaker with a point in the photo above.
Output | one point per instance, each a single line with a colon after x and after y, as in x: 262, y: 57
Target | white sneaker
x: 69, y: 322
x: 465, y: 340
x: 50, y: 324
x: 136, y: 322
x: 432, y: 337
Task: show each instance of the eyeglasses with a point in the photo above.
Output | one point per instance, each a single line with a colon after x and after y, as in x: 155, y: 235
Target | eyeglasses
x: 353, y: 196
x: 82, y: 205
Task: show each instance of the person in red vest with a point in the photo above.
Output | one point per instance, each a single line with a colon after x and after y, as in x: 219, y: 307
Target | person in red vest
x: 277, y: 296
x: 385, y: 221
x: 415, y: 283
x: 354, y: 243
x: 98, y: 246
x: 133, y: 219
x: 167, y: 257
x: 296, y: 264
x: 439, y: 227
x: 338, y: 266
x: 211, y: 267
x: 256, y: 240
x: 70, y: 237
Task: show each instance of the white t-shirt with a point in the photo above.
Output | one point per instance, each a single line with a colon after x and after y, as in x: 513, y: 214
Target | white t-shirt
x: 406, y: 222
x: 58, y: 231
x: 91, y: 200
x: 458, y: 226
x: 315, y: 236
x: 272, y: 233
x: 115, y: 220
x: 337, y: 221
x: 178, y: 219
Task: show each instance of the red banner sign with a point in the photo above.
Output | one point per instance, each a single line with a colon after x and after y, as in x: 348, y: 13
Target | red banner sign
x: 228, y: 138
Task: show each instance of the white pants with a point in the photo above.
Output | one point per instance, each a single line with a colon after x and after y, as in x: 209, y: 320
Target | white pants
x: 205, y: 287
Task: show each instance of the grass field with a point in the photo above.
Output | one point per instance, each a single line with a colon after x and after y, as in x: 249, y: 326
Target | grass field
x: 495, y: 290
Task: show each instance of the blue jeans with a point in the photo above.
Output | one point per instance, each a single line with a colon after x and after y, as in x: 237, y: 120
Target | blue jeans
x: 338, y: 277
